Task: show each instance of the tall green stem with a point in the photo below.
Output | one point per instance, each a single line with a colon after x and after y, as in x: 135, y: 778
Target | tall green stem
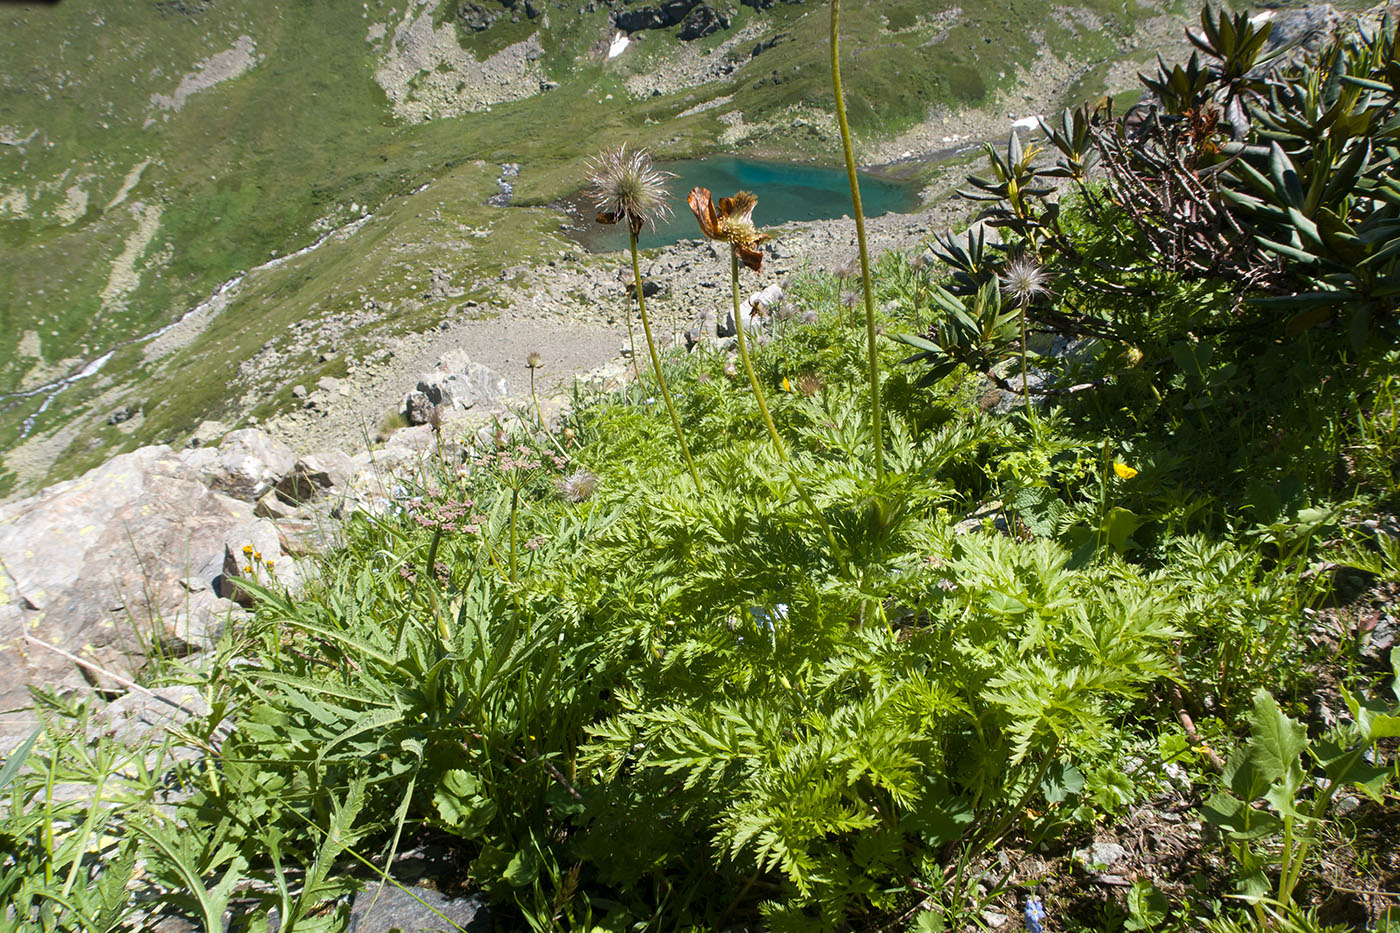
x: 763, y: 407
x: 744, y: 355
x: 631, y: 340
x: 875, y: 418
x: 656, y: 362
x: 539, y: 412
x: 1025, y: 369
x: 514, y: 504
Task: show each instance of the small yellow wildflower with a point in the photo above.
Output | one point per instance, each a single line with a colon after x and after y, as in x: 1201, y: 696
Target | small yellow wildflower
x: 247, y: 569
x: 247, y: 549
x: 1123, y: 470
x: 257, y: 556
x: 787, y: 386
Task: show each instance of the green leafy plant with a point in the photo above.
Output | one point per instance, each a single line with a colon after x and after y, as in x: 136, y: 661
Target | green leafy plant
x: 1277, y: 767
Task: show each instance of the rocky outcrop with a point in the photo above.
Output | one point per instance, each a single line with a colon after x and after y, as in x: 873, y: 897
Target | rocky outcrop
x: 657, y: 16
x: 703, y: 20
x: 127, y: 558
x: 316, y: 475
x: 1308, y: 28
x: 245, y: 466
x: 455, y: 384
x: 144, y: 553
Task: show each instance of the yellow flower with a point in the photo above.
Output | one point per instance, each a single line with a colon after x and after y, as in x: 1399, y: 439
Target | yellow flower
x: 247, y: 549
x: 1123, y: 470
x: 732, y: 222
x: 247, y: 569
x: 787, y: 386
x: 257, y: 556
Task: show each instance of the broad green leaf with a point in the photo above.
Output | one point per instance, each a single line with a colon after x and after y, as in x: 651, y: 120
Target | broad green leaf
x: 1062, y: 781
x: 1147, y: 906
x: 930, y: 921
x: 522, y: 870
x: 1275, y: 740
x: 1120, y: 526
x: 17, y: 758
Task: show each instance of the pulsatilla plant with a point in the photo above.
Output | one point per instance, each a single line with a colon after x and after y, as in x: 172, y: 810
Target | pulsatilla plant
x: 732, y: 223
x: 627, y: 188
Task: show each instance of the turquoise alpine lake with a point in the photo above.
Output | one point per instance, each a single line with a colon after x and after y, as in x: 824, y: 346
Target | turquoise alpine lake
x: 787, y: 191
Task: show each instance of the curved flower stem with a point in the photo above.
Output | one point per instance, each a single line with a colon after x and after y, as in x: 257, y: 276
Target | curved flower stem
x: 1025, y: 368
x: 767, y: 417
x: 656, y: 362
x: 748, y: 367
x: 875, y: 418
x: 631, y: 340
x: 539, y: 412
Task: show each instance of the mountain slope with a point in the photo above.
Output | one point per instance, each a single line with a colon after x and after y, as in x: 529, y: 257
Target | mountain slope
x: 153, y: 153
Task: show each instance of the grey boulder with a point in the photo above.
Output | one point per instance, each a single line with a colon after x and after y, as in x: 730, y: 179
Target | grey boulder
x: 126, y: 558
x: 459, y: 383
x: 248, y: 464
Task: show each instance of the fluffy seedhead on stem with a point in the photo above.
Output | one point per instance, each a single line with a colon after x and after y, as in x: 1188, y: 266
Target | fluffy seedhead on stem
x: 626, y: 186
x: 1023, y: 281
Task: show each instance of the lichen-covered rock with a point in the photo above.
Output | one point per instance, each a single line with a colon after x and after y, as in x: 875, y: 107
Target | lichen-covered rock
x: 125, y: 558
x: 316, y: 475
x: 248, y: 464
x: 458, y: 383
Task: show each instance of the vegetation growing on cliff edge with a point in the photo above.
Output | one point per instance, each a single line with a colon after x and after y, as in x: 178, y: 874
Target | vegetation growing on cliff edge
x: 1142, y: 608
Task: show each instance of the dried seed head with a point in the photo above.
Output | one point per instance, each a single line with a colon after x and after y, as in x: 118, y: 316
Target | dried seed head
x: 1024, y: 281
x: 848, y: 269
x: 627, y: 187
x: 809, y: 384
x: 533, y: 360
x: 577, y: 486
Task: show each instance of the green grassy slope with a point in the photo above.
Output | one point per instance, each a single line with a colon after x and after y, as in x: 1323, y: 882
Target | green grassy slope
x: 119, y: 213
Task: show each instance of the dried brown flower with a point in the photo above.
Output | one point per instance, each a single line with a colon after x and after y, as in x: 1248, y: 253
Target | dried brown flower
x: 732, y: 222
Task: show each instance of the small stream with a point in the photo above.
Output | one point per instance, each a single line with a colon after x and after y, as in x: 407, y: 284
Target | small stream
x: 210, y: 307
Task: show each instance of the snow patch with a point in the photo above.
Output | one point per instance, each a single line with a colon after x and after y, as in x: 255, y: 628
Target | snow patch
x: 619, y: 44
